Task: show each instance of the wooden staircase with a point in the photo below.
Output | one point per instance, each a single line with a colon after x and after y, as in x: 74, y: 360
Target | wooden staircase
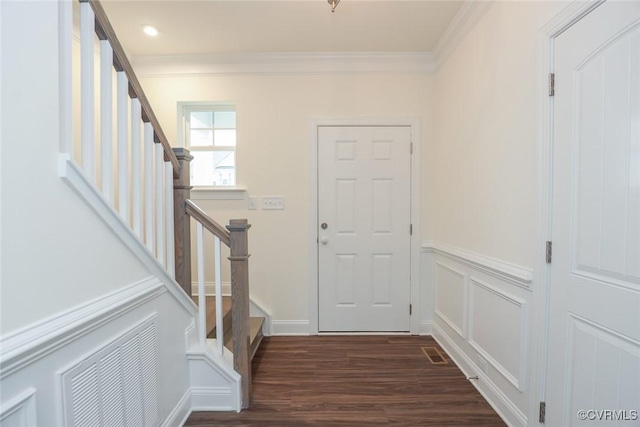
x: 255, y: 337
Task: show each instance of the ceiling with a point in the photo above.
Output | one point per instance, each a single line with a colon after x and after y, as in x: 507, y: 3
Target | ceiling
x: 261, y: 26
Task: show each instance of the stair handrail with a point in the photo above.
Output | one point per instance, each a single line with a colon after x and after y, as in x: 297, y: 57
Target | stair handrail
x: 105, y: 31
x: 195, y: 212
x: 161, y: 216
x: 235, y: 237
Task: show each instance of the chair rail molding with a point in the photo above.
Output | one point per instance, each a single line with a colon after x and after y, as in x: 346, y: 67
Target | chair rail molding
x: 28, y: 345
x: 503, y: 270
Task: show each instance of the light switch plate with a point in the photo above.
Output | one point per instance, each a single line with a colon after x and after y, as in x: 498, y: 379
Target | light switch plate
x: 272, y: 202
x: 252, y: 204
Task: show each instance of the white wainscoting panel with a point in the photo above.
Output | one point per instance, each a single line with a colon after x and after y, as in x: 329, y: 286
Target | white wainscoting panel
x: 118, y: 361
x: 481, y: 319
x: 501, y: 343
x: 451, y: 297
x: 20, y: 411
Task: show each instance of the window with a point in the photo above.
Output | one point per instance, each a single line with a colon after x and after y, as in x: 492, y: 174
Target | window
x: 210, y: 136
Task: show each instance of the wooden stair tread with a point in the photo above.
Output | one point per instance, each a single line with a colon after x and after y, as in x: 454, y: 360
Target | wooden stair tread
x: 255, y: 335
x: 255, y: 323
x: 211, y: 312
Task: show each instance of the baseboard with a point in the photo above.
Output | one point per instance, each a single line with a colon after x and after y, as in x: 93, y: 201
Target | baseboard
x: 509, y: 413
x: 289, y: 327
x: 33, y: 342
x: 211, y: 399
x: 426, y: 327
x: 178, y: 416
x: 210, y: 288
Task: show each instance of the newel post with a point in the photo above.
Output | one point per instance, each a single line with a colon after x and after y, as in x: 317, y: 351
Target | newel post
x: 182, y: 226
x: 240, y: 303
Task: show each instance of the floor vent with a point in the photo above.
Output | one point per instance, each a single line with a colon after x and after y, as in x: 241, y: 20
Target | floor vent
x: 117, y: 385
x: 434, y: 355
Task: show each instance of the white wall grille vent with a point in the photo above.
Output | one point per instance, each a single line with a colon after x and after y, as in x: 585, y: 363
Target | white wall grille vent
x: 118, y: 385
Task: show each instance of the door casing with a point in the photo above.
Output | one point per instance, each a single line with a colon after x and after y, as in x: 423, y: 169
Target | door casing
x: 542, y: 271
x: 416, y: 240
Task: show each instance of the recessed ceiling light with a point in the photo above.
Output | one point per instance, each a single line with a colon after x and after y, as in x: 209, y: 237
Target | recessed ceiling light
x: 150, y: 30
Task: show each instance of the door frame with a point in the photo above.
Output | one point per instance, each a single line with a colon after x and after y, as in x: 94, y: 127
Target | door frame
x: 416, y: 238
x: 567, y: 17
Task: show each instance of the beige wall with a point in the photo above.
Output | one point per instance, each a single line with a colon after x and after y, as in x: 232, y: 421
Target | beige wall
x: 486, y: 126
x: 274, y: 113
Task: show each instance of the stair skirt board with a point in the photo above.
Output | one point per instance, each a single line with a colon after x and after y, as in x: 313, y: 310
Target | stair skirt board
x: 215, y: 386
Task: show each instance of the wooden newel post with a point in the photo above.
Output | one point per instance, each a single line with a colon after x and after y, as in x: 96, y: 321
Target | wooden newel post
x: 182, y: 225
x: 240, y: 299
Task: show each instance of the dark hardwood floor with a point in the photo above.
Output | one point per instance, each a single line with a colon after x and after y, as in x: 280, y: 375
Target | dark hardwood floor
x: 354, y: 381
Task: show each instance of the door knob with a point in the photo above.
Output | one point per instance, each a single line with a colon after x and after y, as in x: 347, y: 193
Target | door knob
x: 324, y: 240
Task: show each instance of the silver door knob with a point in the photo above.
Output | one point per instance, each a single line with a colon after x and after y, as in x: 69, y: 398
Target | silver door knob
x: 324, y: 240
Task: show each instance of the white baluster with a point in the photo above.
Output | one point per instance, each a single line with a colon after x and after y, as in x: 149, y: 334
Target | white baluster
x: 136, y: 165
x: 148, y: 186
x: 160, y: 248
x: 218, y: 285
x: 202, y: 310
x: 106, y: 119
x: 66, y: 76
x: 123, y: 146
x: 168, y: 203
x: 87, y: 97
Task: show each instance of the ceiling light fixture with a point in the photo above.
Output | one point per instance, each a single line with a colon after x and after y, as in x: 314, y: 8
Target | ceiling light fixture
x: 150, y: 30
x: 333, y: 4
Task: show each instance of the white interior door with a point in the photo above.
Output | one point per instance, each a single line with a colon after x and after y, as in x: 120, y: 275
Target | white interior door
x: 364, y: 188
x: 594, y: 330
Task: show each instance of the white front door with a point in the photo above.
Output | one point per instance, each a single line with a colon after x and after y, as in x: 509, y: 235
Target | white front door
x: 364, y: 187
x: 593, y: 368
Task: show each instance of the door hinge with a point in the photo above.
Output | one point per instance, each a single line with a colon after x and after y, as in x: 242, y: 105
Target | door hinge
x: 542, y: 412
x: 410, y: 309
x: 410, y: 229
x: 549, y: 252
x: 552, y: 84
x: 411, y: 148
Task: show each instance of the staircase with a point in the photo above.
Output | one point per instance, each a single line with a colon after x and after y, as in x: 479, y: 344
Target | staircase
x: 132, y: 168
x: 255, y: 324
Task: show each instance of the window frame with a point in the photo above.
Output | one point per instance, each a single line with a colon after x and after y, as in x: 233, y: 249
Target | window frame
x: 229, y: 192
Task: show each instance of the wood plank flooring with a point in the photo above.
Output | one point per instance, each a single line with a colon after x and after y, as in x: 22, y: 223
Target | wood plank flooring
x: 354, y: 381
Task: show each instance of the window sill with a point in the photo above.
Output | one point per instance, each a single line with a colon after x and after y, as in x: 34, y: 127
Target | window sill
x: 218, y: 193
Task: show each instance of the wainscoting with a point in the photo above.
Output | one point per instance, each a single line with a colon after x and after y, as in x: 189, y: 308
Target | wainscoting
x: 481, y: 317
x: 120, y: 355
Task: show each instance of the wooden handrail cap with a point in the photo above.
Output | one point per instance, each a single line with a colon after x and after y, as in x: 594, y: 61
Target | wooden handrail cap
x: 182, y: 153
x: 238, y: 225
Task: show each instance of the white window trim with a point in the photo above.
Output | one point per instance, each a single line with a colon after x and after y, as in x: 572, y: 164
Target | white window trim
x: 200, y: 192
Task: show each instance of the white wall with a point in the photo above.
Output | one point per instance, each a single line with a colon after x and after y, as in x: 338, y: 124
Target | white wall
x: 69, y: 286
x: 56, y: 253
x: 485, y: 211
x: 273, y: 155
x: 486, y: 119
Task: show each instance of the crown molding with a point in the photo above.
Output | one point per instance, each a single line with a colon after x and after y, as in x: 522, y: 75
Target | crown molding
x: 284, y: 63
x: 465, y: 20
